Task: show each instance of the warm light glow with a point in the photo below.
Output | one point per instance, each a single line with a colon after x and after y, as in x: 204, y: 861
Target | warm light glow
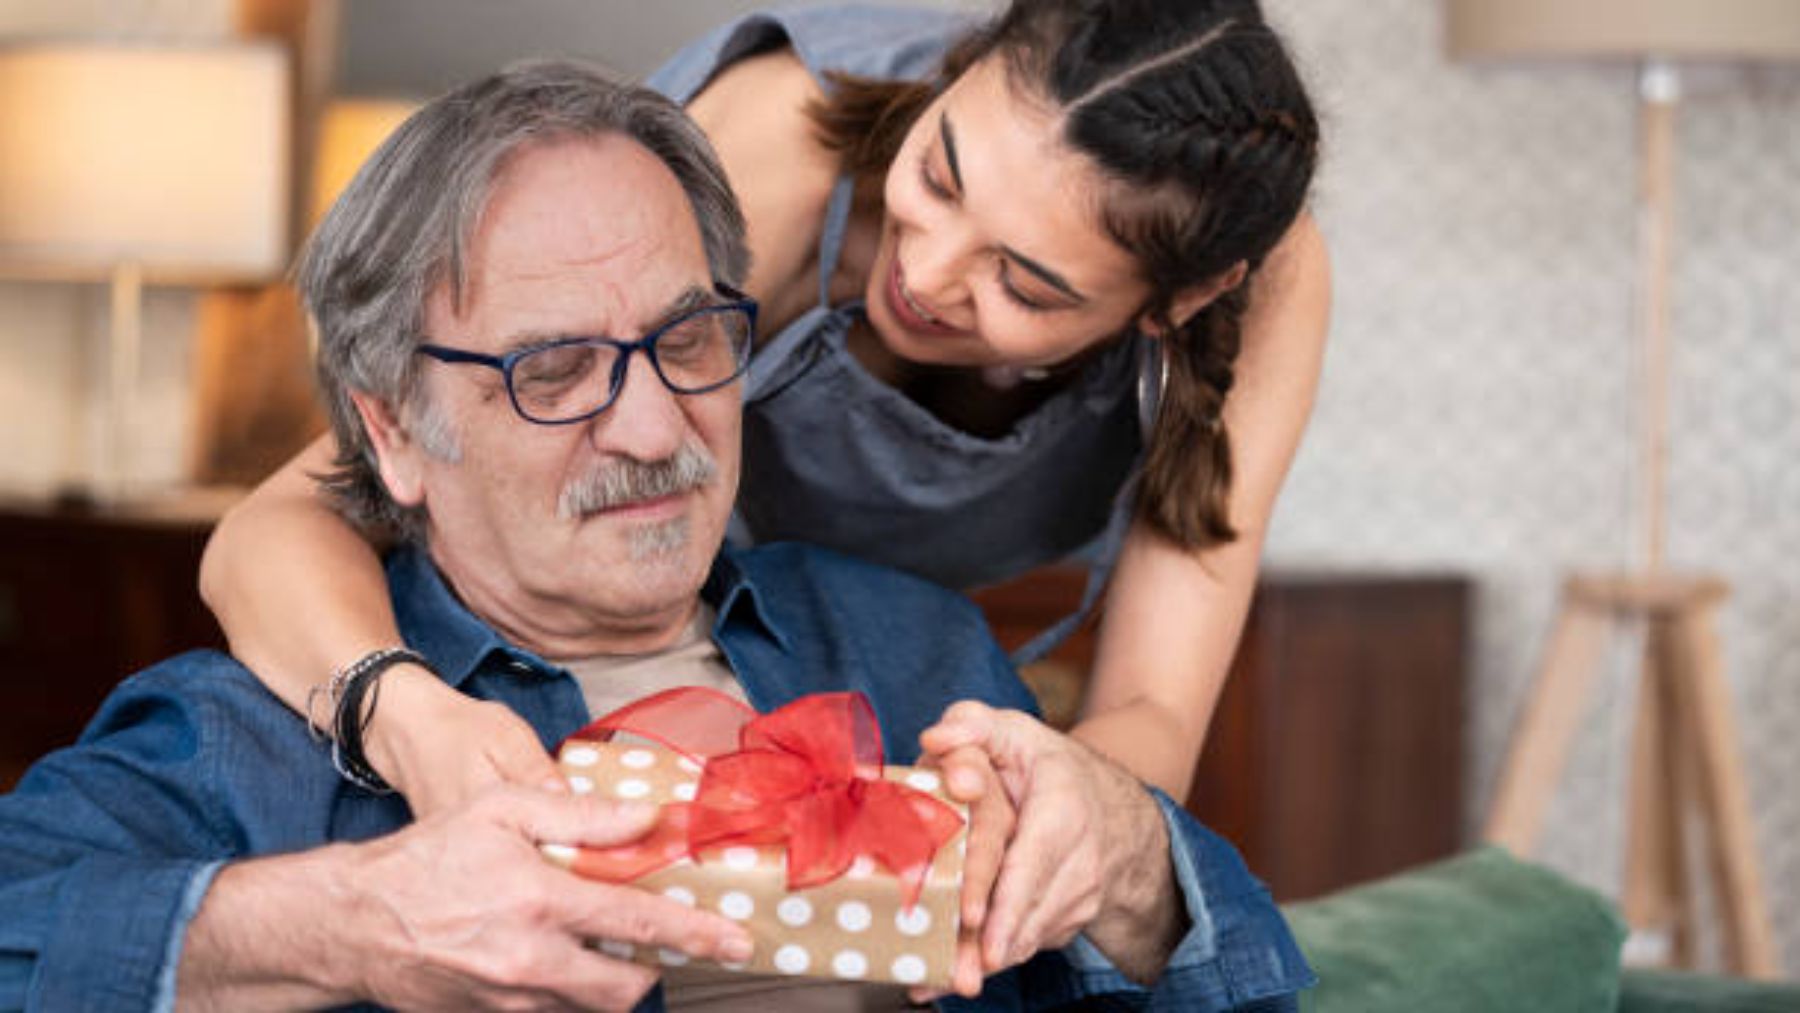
x: 175, y: 159
x: 349, y: 133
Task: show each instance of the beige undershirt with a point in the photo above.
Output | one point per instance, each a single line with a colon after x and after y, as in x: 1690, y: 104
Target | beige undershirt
x: 609, y: 682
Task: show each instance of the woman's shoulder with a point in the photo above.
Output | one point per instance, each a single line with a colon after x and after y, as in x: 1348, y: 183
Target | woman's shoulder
x: 754, y: 113
x: 874, y: 40
x: 868, y: 40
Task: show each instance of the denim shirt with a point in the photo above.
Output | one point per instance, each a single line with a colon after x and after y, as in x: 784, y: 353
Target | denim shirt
x: 107, y: 847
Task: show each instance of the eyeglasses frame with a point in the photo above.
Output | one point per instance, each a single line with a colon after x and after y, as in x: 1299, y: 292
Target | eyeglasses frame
x: 736, y: 302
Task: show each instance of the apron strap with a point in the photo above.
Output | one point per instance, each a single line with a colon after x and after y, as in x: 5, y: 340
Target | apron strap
x: 1103, y: 556
x: 831, y: 233
x: 1153, y: 377
x: 771, y: 365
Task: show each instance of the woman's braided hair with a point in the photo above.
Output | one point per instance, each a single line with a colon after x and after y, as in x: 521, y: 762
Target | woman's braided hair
x: 1198, y: 120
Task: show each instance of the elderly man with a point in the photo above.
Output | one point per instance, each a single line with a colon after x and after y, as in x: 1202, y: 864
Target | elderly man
x: 569, y: 495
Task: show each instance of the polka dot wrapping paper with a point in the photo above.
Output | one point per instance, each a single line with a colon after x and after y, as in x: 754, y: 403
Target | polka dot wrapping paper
x: 854, y: 927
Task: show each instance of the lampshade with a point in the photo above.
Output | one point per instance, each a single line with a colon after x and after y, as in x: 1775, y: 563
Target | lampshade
x: 1627, y: 29
x: 174, y: 160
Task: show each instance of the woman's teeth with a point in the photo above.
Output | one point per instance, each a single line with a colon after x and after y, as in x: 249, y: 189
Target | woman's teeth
x: 923, y: 313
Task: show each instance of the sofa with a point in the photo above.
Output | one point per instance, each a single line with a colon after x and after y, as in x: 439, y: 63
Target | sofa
x: 1486, y: 933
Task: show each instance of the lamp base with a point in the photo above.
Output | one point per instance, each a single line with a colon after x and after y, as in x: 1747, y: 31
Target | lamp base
x: 1685, y: 756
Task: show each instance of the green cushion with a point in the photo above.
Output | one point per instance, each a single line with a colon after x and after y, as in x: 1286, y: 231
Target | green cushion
x: 1678, y: 992
x: 1476, y: 933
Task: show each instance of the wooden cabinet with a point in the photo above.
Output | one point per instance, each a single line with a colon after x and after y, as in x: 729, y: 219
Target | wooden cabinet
x: 87, y: 598
x: 1335, y: 754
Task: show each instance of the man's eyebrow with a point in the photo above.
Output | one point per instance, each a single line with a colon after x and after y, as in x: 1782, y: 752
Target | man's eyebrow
x: 1049, y: 277
x: 518, y: 341
x: 691, y: 298
x: 949, y: 138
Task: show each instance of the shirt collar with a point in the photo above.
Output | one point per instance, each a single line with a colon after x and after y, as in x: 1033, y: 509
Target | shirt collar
x: 437, y: 625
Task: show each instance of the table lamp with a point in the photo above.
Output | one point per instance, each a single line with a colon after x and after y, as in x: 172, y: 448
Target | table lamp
x: 141, y: 165
x: 1685, y: 748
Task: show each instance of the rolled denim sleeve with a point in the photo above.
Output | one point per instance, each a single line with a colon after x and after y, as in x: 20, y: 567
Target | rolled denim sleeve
x: 106, y: 849
x: 113, y: 937
x: 1237, y: 951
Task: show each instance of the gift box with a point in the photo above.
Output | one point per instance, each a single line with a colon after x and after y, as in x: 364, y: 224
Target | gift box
x: 838, y: 865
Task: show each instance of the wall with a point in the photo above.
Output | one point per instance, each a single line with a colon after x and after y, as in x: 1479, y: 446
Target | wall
x: 1477, y: 409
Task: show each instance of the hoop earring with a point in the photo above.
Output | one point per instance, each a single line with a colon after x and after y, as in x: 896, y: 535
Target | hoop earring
x: 1152, y: 385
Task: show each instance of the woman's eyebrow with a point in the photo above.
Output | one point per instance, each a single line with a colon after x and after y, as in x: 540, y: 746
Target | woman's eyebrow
x: 949, y: 138
x: 1043, y: 273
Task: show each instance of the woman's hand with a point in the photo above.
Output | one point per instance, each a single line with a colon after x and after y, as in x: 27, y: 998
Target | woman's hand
x: 1087, y: 850
x: 440, y: 748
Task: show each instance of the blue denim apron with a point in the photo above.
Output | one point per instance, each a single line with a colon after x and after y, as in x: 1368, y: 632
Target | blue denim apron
x: 836, y: 457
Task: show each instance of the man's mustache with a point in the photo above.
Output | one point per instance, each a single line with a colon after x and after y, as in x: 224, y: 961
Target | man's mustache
x: 622, y: 482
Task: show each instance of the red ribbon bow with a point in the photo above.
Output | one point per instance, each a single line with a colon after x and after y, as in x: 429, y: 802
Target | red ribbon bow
x: 808, y: 775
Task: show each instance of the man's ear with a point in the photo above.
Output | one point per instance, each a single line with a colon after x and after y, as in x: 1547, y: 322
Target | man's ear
x: 1195, y: 298
x: 397, y: 455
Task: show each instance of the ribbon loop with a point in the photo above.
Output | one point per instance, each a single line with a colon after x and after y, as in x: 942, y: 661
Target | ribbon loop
x: 807, y: 775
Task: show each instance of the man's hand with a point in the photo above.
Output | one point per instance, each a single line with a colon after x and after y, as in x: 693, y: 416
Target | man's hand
x: 458, y: 912
x: 440, y: 748
x: 970, y: 778
x: 1090, y: 851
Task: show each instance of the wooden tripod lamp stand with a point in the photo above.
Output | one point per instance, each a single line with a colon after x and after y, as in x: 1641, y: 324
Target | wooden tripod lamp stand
x: 1684, y: 746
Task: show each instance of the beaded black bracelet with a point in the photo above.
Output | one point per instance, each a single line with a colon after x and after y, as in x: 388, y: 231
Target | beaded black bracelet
x: 350, y: 719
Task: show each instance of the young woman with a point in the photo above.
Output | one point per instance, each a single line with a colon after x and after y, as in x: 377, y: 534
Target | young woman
x: 1036, y: 289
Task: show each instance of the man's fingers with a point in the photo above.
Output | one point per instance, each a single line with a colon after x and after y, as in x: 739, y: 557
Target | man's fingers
x: 1032, y: 867
x: 521, y: 760
x: 588, y: 980
x: 604, y: 911
x: 965, y: 971
x: 970, y: 778
x: 964, y: 723
x: 991, y: 825
x: 966, y: 977
x: 637, y: 918
x: 1051, y: 922
x: 570, y: 819
x: 1006, y: 910
x: 967, y: 772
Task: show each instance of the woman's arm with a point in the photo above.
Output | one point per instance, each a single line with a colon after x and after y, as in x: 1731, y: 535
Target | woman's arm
x: 1173, y: 615
x: 1172, y: 618
x: 298, y: 591
x: 300, y: 594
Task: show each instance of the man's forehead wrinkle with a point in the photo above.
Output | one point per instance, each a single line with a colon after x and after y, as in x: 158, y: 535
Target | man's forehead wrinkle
x: 640, y: 246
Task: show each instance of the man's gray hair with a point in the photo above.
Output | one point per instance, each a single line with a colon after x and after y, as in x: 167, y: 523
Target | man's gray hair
x: 403, y: 225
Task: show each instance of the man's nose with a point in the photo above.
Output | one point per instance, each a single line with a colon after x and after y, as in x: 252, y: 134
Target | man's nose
x: 645, y: 421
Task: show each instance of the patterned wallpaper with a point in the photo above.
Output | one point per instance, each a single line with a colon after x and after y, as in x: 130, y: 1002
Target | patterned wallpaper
x: 1478, y: 406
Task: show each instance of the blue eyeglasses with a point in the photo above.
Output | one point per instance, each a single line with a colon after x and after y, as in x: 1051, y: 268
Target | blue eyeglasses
x: 572, y: 379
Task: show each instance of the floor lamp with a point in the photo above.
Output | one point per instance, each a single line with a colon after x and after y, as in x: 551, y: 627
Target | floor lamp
x: 1684, y: 746
x: 138, y: 165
